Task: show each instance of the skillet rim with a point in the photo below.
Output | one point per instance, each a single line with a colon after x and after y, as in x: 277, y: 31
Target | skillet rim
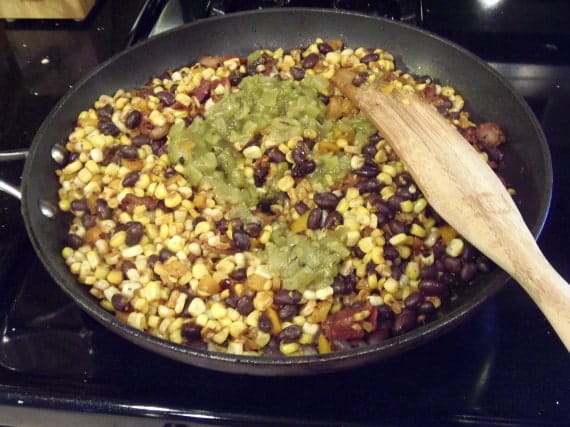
x: 268, y: 365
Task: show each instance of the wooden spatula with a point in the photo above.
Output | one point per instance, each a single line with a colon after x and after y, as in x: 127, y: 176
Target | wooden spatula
x: 464, y: 190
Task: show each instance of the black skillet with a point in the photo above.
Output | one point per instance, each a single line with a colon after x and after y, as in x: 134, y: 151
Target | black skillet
x: 489, y: 98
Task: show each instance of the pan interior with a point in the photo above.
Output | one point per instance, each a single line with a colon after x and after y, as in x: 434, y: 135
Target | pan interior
x: 489, y: 97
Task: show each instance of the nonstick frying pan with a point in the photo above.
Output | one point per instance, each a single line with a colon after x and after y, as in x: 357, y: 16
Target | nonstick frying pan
x: 488, y: 95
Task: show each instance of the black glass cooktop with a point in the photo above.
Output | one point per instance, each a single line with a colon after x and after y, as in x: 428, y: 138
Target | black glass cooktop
x: 503, y: 366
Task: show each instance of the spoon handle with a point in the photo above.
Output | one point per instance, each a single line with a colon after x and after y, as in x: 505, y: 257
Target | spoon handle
x: 464, y: 190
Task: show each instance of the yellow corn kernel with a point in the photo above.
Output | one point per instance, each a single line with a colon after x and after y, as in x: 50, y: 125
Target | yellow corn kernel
x: 118, y: 239
x: 237, y: 328
x: 263, y: 300
x: 407, y: 206
x: 420, y: 205
x: 417, y: 230
x: 222, y: 336
x: 454, y: 247
x: 196, y: 307
x: 175, y: 243
x: 404, y: 251
x: 391, y: 285
x: 151, y: 291
x: 412, y: 270
x: 137, y: 320
x: 115, y: 277
x: 218, y: 310
x: 202, y: 227
x: 366, y: 244
x: 288, y: 348
x: 398, y: 239
x: 172, y: 200
x: 286, y: 183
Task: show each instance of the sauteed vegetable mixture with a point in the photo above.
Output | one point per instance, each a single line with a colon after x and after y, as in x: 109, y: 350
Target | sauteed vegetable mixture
x: 244, y: 205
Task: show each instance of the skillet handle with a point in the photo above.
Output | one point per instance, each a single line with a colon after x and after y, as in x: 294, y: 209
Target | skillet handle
x: 10, y: 156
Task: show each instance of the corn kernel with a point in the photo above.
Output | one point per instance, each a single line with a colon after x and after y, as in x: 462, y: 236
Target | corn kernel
x: 289, y: 347
x: 454, y: 247
x: 412, y: 270
x: 407, y: 206
x: 366, y: 244
x: 137, y: 320
x: 286, y: 183
x: 391, y: 285
x: 417, y: 230
x: 398, y: 239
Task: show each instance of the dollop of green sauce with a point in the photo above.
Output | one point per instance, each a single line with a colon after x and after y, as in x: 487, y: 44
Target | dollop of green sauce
x: 274, y: 110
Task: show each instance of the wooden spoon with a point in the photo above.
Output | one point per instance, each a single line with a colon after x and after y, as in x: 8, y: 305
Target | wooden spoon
x: 464, y: 190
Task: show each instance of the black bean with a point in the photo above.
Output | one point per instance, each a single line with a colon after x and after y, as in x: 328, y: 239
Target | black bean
x: 88, y: 220
x: 105, y: 112
x: 338, y: 286
x: 360, y: 79
x: 128, y: 152
x: 309, y: 350
x: 106, y: 127
x: 483, y: 265
x: 433, y: 287
x: 260, y: 173
x: 264, y: 323
x: 357, y: 252
x: 315, y: 219
x: 191, y: 331
x: 275, y: 155
x: 326, y: 200
x: 120, y: 302
x: 324, y: 99
x: 495, y: 154
x: 79, y: 205
x: 468, y: 271
x: 397, y: 227
x: 253, y: 229
x: 225, y: 283
x: 287, y: 311
x: 340, y: 345
x: 413, y: 300
x: 170, y: 172
x: 324, y: 48
x: 158, y: 146
x: 403, y: 179
x: 385, y: 312
x: 297, y: 73
x: 74, y: 241
x: 310, y: 60
x: 375, y: 138
x: 135, y: 232
x: 140, y: 140
x: 290, y: 333
x: 235, y: 77
x: 379, y: 336
x: 301, y: 207
x: 426, y: 308
x: 369, y: 150
x: 300, y: 152
x: 102, y: 209
x: 133, y: 119
x: 241, y: 240
x: 394, y: 203
x: 405, y: 321
x: 390, y: 253
x: 244, y: 305
x: 131, y: 179
x: 165, y: 254
x: 300, y: 170
x: 429, y: 272
x: 369, y: 57
x: 152, y: 260
x: 451, y: 264
x: 238, y: 274
x: 231, y: 301
x: 448, y: 278
x: 332, y: 220
x: 126, y: 266
x: 407, y: 193
x: 284, y: 296
x: 469, y: 253
x: 166, y: 98
x: 368, y: 170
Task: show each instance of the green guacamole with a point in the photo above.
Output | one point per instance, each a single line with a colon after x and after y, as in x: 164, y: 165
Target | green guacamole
x: 272, y: 111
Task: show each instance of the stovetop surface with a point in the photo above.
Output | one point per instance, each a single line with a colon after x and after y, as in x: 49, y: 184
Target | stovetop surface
x: 502, y: 366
